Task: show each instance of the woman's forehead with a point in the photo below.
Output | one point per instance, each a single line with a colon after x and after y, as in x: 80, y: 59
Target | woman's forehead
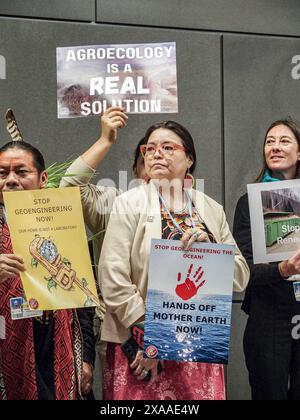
x: 163, y: 135
x: 280, y: 131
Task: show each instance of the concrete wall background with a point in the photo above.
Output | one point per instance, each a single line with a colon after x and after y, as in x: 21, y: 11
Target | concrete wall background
x: 236, y: 74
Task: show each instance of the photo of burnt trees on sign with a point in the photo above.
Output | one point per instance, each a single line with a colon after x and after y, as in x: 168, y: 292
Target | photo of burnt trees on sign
x: 281, y: 210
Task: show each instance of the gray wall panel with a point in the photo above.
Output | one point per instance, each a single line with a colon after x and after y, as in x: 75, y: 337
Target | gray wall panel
x: 30, y: 89
x: 53, y: 9
x: 259, y: 89
x: 237, y: 375
x: 255, y: 16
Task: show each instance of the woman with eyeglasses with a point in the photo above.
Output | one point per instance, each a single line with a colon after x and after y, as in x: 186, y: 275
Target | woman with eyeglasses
x: 161, y: 208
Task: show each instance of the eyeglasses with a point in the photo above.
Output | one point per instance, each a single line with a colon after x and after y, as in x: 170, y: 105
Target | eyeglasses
x: 167, y: 149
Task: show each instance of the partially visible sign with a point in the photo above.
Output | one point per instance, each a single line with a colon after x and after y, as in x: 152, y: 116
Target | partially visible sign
x: 275, y: 220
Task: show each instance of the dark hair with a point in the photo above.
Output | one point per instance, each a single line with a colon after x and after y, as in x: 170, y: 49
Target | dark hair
x: 38, y: 159
x: 137, y: 154
x: 184, y: 135
x: 294, y: 126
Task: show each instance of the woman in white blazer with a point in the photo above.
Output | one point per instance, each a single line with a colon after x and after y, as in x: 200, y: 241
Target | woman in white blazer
x: 154, y: 211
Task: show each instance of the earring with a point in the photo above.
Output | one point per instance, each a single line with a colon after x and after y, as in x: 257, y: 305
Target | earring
x: 147, y: 179
x: 189, y: 180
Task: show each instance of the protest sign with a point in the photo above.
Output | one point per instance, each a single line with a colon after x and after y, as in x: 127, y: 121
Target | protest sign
x: 275, y: 220
x: 47, y: 230
x: 189, y: 301
x: 141, y: 78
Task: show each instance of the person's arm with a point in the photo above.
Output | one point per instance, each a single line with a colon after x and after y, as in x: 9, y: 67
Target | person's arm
x: 96, y: 201
x: 84, y: 167
x: 85, y: 317
x: 260, y: 274
x: 121, y: 296
x: 112, y: 119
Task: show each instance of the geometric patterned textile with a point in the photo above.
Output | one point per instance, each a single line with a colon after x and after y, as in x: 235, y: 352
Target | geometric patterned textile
x: 17, y: 367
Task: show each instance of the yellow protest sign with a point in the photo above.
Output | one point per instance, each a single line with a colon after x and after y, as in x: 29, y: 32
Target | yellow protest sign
x: 47, y: 231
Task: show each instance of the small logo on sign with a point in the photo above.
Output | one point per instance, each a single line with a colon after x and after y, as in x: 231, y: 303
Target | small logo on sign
x: 33, y: 304
x: 151, y: 352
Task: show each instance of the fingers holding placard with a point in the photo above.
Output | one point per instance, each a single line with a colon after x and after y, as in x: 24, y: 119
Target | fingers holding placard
x: 113, y: 119
x: 10, y: 266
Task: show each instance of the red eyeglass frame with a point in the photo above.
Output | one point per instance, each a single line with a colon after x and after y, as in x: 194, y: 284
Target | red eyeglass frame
x: 176, y: 146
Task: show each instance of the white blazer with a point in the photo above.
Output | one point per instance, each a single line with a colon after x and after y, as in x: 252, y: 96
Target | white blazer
x: 124, y: 260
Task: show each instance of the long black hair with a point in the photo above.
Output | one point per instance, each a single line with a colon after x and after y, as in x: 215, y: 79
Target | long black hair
x: 137, y: 155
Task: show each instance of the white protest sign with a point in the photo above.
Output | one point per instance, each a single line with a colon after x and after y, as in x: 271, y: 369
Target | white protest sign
x: 141, y: 78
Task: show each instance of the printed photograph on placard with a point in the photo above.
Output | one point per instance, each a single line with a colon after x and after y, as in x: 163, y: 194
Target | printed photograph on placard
x: 275, y: 220
x: 282, y: 219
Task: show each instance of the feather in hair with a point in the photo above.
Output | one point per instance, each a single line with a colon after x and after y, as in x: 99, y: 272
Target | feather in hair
x: 12, y: 126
